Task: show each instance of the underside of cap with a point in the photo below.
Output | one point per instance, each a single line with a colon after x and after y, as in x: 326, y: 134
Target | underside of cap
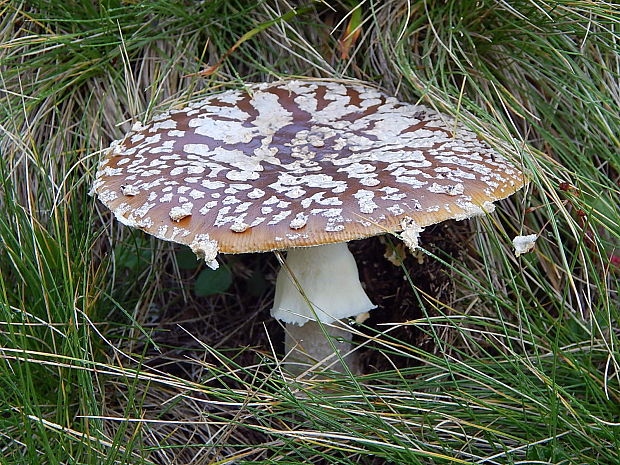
x: 298, y: 163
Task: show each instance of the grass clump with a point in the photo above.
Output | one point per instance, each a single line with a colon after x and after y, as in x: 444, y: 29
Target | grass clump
x: 107, y: 355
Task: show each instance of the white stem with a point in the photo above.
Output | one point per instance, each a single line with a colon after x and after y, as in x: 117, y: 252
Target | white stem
x: 318, y: 284
x: 308, y: 345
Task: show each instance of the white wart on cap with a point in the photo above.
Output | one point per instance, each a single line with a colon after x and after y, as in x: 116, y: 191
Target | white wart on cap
x: 298, y: 163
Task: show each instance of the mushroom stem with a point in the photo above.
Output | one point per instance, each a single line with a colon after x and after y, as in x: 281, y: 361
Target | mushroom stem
x: 308, y: 344
x: 318, y: 284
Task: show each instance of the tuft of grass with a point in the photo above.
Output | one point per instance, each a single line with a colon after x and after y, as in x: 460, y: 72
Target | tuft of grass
x: 107, y: 355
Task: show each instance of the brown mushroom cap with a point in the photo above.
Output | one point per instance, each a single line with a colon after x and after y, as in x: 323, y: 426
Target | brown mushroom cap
x: 298, y: 163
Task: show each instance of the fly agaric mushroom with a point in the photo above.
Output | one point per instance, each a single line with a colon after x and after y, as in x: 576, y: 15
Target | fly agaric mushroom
x: 303, y: 166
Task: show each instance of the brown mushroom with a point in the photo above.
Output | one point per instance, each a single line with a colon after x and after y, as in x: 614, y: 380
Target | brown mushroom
x: 304, y: 166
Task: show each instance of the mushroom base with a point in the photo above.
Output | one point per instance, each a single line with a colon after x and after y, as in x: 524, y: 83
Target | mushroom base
x: 307, y: 344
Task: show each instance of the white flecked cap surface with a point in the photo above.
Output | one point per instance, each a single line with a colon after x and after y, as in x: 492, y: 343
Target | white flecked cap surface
x: 298, y: 163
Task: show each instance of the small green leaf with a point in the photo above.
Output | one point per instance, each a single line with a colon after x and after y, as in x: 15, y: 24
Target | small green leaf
x: 210, y: 282
x: 186, y: 259
x: 131, y: 257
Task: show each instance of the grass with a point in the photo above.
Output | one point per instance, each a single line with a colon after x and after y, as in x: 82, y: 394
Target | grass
x: 108, y: 356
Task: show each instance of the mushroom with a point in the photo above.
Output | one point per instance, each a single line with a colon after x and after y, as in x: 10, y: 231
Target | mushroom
x: 302, y: 166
